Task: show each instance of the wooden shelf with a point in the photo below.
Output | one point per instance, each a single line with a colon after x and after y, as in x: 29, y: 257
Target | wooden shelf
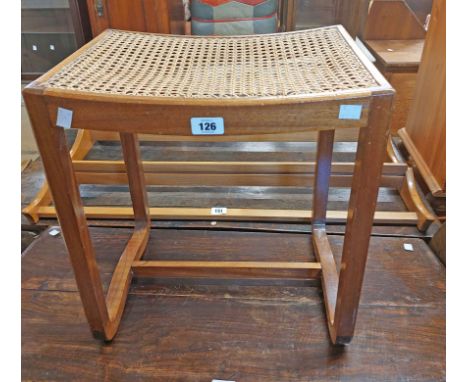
x: 397, y: 55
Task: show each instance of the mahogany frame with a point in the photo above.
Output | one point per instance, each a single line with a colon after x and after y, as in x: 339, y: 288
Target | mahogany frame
x: 130, y: 116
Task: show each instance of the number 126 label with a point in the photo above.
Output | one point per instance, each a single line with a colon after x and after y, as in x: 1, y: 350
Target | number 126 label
x: 207, y: 126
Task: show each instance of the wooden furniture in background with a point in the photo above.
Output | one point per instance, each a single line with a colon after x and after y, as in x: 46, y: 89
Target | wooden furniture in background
x: 158, y: 16
x: 376, y: 19
x: 392, y: 20
x: 50, y: 31
x: 304, y: 14
x: 284, y: 174
x: 421, y: 8
x: 398, y: 61
x: 424, y: 134
x: 409, y: 190
x: 272, y: 104
x: 352, y: 14
x: 395, y: 35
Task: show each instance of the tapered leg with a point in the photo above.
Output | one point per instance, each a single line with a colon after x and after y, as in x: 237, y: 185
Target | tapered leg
x: 103, y: 313
x: 122, y: 276
x: 369, y: 159
x: 322, y: 176
x: 136, y: 179
x: 52, y: 145
x: 322, y: 248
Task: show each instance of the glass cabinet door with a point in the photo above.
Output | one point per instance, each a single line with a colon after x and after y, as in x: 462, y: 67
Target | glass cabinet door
x: 315, y: 13
x: 47, y: 34
x: 305, y: 14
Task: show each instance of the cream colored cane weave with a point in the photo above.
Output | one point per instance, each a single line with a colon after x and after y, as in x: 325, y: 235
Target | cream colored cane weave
x: 303, y: 63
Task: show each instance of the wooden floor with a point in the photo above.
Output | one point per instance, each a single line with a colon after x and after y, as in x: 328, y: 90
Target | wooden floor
x: 199, y: 331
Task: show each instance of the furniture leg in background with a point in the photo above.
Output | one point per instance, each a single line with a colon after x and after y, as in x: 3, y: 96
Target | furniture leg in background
x: 424, y: 134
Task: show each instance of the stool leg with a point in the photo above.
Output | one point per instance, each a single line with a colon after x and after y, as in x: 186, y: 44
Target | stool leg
x: 55, y: 156
x: 122, y: 276
x: 369, y: 159
x: 322, y: 249
x: 322, y: 176
x: 136, y: 179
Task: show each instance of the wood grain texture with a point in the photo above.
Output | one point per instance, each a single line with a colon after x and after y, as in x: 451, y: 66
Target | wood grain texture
x: 345, y: 135
x: 290, y: 11
x: 242, y: 333
x: 405, y: 85
x: 412, y: 197
x: 265, y: 271
x: 229, y: 167
x: 122, y: 275
x: 157, y: 16
x: 52, y: 145
x: 397, y: 55
x: 425, y: 127
x: 369, y: 160
x: 235, y: 214
x: 103, y: 314
x: 352, y: 14
x: 136, y: 180
x: 174, y: 120
x: 98, y: 23
x: 392, y: 20
x: 128, y: 15
x: 216, y: 178
x: 399, y: 61
x: 330, y: 277
x: 322, y: 179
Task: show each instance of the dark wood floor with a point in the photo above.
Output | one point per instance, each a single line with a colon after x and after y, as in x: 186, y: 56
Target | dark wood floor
x: 199, y: 332
x: 181, y: 331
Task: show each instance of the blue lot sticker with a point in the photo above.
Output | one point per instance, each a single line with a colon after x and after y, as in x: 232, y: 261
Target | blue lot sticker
x: 207, y: 126
x: 64, y: 118
x: 350, y: 112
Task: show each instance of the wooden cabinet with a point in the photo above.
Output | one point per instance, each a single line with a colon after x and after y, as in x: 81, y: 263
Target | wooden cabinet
x: 50, y: 31
x: 41, y: 51
x: 424, y: 135
x: 398, y: 61
x: 394, y: 33
x: 305, y: 14
x: 158, y: 16
x: 315, y: 13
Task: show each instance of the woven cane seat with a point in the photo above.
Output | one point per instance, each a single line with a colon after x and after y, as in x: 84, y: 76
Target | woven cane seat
x: 311, y: 63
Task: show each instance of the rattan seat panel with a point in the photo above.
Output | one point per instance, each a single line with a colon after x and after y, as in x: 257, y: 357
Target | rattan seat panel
x: 304, y: 63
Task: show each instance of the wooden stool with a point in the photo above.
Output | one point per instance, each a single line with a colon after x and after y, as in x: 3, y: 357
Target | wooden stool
x: 215, y: 89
